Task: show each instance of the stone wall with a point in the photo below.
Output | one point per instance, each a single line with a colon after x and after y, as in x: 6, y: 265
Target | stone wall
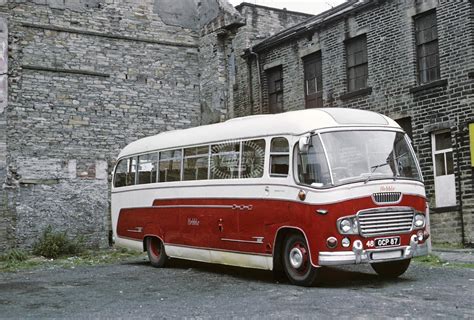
x: 85, y: 79
x: 261, y: 22
x: 392, y: 82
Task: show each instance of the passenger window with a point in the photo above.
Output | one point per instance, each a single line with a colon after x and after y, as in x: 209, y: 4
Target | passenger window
x: 120, y: 179
x: 170, y: 166
x: 125, y: 173
x: 147, y: 168
x: 312, y: 165
x: 279, y: 157
x: 225, y: 160
x: 253, y: 159
x: 196, y: 163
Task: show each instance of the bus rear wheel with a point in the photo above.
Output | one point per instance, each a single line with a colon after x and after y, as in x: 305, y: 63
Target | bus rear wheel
x: 392, y: 269
x: 297, y: 261
x: 156, y: 252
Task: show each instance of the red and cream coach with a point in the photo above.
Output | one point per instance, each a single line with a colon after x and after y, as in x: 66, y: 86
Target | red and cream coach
x: 292, y: 191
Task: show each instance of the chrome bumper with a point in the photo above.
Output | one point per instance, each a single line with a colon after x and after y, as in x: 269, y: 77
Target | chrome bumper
x: 357, y: 255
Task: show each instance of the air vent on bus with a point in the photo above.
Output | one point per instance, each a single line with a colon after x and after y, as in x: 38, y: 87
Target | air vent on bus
x: 387, y: 197
x: 384, y: 221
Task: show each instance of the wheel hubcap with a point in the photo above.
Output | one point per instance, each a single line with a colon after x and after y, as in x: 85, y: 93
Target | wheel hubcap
x: 296, y: 258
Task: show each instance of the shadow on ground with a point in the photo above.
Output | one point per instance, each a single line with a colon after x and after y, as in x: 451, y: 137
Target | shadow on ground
x: 331, y: 277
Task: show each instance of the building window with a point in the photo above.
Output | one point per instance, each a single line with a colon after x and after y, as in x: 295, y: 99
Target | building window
x: 427, y: 47
x: 313, y: 81
x: 357, y: 65
x: 445, y: 189
x: 275, y: 89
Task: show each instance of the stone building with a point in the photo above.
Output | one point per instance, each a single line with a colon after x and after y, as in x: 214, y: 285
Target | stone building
x: 80, y: 79
x: 412, y: 60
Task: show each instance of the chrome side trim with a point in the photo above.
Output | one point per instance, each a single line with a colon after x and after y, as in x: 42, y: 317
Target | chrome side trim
x: 258, y: 240
x: 136, y: 230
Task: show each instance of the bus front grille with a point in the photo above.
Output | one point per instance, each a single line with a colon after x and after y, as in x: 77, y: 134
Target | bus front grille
x: 387, y: 197
x: 385, y: 221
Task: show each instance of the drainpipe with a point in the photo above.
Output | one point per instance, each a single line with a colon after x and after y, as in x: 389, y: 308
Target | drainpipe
x: 258, y: 78
x: 458, y: 138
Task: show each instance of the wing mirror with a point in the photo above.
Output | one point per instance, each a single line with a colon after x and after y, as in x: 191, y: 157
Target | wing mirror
x: 303, y: 143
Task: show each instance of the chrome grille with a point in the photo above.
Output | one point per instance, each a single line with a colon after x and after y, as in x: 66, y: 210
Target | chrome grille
x: 387, y: 197
x: 384, y: 221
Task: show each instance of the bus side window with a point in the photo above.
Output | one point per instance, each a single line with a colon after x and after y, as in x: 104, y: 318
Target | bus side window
x: 170, y: 165
x: 225, y: 160
x: 279, y: 157
x: 196, y: 163
x: 253, y: 159
x: 120, y: 179
x: 147, y: 168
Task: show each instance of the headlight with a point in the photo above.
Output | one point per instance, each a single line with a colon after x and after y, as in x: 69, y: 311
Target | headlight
x: 348, y: 225
x: 419, y: 221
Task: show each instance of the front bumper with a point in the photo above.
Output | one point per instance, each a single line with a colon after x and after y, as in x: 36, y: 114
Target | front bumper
x: 358, y: 255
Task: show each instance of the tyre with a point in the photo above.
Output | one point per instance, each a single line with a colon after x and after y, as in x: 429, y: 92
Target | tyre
x: 156, y: 252
x: 297, y: 261
x: 392, y: 269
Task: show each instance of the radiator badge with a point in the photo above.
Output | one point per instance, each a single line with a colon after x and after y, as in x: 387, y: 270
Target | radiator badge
x: 193, y: 222
x: 387, y: 188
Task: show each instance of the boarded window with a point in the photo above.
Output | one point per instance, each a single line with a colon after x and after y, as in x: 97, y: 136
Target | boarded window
x: 253, y: 158
x: 225, y: 160
x: 357, y: 65
x: 313, y: 81
x: 170, y: 165
x: 196, y: 163
x: 279, y: 157
x: 427, y: 47
x: 275, y: 89
x: 147, y: 168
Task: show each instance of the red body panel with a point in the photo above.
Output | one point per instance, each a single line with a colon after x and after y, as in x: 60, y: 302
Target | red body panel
x: 204, y: 223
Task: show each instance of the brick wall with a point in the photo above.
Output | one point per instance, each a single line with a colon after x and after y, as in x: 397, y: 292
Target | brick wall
x: 389, y: 28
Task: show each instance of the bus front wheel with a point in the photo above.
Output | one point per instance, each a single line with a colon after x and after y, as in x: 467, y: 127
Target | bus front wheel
x: 156, y: 252
x: 392, y: 269
x: 297, y: 261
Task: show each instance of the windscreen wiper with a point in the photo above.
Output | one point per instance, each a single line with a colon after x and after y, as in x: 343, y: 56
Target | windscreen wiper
x: 387, y: 162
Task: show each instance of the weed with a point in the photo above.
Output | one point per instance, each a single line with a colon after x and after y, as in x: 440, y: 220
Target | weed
x: 14, y: 255
x: 55, y: 244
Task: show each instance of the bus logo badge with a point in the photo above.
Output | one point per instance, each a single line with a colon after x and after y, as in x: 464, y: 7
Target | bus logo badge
x: 387, y: 188
x: 193, y: 222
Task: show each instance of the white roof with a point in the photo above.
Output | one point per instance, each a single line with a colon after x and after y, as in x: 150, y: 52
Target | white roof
x: 288, y: 123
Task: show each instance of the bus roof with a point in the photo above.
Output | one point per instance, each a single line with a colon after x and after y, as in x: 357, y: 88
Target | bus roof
x: 288, y: 123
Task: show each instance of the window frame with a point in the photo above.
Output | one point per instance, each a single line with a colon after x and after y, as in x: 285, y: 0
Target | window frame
x: 349, y: 43
x: 316, y: 59
x: 270, y: 74
x: 435, y: 152
x: 424, y: 45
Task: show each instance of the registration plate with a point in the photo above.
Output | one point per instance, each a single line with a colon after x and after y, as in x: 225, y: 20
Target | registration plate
x: 387, y: 242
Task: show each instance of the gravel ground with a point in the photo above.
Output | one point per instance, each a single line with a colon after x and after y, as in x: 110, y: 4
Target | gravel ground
x: 185, y: 289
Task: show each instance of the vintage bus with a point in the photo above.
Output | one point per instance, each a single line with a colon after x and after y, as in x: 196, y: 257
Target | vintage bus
x: 289, y: 192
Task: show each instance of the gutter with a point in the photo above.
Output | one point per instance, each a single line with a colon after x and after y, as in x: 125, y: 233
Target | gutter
x: 259, y: 78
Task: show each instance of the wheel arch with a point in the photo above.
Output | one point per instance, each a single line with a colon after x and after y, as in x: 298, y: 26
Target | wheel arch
x: 280, y: 236
x: 146, y: 236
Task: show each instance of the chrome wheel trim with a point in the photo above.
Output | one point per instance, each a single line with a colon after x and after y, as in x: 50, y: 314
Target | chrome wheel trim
x: 296, y: 258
